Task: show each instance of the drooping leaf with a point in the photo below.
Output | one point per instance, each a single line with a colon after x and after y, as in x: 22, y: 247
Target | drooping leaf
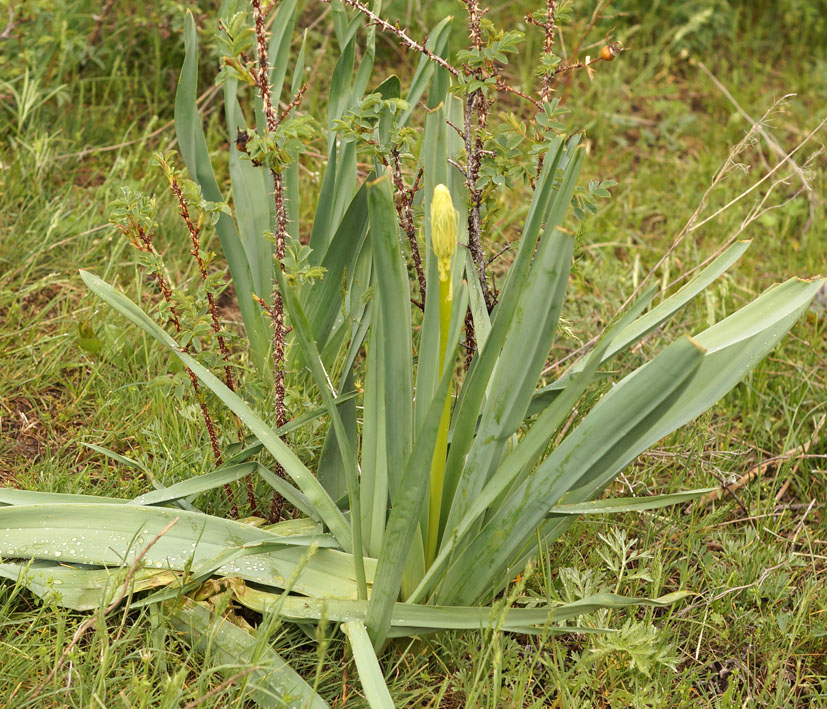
x: 305, y: 480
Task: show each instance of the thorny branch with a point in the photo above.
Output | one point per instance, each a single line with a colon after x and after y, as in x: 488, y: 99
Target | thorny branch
x: 144, y: 243
x: 195, y: 232
x: 548, y: 43
x: 400, y: 34
x: 403, y: 203
x: 476, y: 106
x: 195, y: 238
x: 262, y: 76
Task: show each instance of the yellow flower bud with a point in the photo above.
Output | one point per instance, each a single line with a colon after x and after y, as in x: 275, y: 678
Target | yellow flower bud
x: 443, y: 230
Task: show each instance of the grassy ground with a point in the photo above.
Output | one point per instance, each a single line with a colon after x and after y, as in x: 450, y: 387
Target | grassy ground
x: 80, y: 120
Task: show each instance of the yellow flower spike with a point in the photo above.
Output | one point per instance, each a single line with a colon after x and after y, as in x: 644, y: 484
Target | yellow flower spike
x: 444, y: 241
x: 443, y: 230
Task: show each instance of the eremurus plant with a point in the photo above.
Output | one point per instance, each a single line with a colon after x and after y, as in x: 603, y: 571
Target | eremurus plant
x: 447, y: 485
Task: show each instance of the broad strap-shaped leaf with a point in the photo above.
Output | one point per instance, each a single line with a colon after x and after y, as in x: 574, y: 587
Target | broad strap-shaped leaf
x: 252, y: 197
x: 81, y: 587
x: 733, y: 347
x: 242, y: 451
x: 613, y: 505
x: 273, y: 683
x: 12, y: 496
x: 196, y: 156
x: 521, y: 461
x: 304, y: 337
x: 472, y: 395
x: 612, y: 422
x: 393, y: 302
x: 292, y: 465
x: 279, y: 48
x: 370, y: 674
x: 374, y: 479
x: 523, y: 356
x: 339, y: 181
x: 356, y: 318
x: 197, y: 484
x: 109, y: 535
x: 645, y: 324
x: 513, y: 357
x: 429, y: 618
x: 409, y: 499
x: 322, y: 300
x: 291, y: 174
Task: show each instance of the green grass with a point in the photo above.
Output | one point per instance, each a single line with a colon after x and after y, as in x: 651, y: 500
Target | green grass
x: 71, y: 373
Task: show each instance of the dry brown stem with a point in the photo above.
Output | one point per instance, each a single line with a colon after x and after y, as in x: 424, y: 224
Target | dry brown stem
x: 277, y: 310
x: 195, y: 238
x: 759, y: 470
x: 221, y: 687
x: 404, y: 211
x: 771, y: 142
x: 144, y: 243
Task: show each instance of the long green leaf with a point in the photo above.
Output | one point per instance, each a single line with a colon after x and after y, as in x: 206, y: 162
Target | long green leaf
x: 322, y: 301
x: 393, y: 301
x: 13, y: 496
x: 272, y: 682
x: 251, y: 200
x: 435, y: 618
x: 607, y: 426
x: 733, y: 347
x: 374, y: 480
x: 614, y: 505
x: 306, y: 481
x: 196, y: 485
x: 196, y: 156
x: 80, y: 587
x: 522, y: 459
x: 641, y: 327
x: 410, y: 496
x: 527, y: 313
x: 473, y: 392
x: 108, y: 535
x: 370, y: 674
x: 304, y: 337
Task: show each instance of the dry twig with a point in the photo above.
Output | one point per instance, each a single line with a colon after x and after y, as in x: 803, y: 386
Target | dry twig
x: 760, y: 469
